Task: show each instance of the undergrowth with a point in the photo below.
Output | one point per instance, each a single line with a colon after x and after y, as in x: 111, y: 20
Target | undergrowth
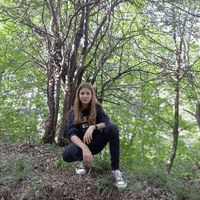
x: 17, y: 169
x: 182, y: 183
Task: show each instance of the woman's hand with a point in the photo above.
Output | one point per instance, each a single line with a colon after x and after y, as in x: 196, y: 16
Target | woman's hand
x: 88, y: 135
x: 87, y: 156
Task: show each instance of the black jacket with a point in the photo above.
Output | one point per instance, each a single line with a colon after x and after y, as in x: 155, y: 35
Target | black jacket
x: 80, y: 130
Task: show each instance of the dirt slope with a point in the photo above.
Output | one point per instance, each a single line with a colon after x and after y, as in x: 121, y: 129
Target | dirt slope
x: 45, y: 180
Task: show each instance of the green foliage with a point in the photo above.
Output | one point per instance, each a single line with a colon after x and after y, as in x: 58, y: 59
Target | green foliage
x: 35, y: 186
x: 22, y: 107
x: 102, y: 162
x: 17, y: 169
x: 22, y: 98
x: 104, y: 184
x: 61, y: 164
x: 176, y: 186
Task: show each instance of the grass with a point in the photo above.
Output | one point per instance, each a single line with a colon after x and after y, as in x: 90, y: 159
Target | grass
x: 17, y: 169
x: 35, y: 186
x: 104, y: 184
x: 176, y: 185
x: 62, y: 165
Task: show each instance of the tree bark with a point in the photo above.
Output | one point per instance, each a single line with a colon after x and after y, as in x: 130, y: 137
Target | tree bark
x: 175, y: 133
x: 68, y: 102
x: 53, y: 96
x: 197, y: 113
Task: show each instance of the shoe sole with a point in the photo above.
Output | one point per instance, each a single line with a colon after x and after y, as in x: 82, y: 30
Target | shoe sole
x: 80, y: 173
x: 120, y: 187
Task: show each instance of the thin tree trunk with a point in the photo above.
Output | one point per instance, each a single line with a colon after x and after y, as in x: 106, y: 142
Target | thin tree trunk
x: 49, y: 135
x: 53, y: 95
x: 175, y: 132
x: 197, y: 113
x: 68, y: 101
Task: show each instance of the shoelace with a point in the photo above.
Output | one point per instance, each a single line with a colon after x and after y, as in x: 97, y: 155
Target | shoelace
x: 80, y: 166
x: 118, y: 175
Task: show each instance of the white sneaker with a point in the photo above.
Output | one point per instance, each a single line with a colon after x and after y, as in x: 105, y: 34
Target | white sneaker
x: 119, y: 181
x: 80, y: 168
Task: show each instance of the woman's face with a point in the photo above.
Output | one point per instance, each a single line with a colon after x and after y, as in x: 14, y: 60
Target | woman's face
x: 85, y: 96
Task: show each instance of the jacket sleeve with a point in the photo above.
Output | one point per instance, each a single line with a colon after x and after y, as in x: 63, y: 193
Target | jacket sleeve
x: 102, y: 117
x: 71, y: 128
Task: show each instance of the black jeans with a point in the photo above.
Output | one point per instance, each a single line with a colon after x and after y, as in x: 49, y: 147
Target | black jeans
x: 110, y: 135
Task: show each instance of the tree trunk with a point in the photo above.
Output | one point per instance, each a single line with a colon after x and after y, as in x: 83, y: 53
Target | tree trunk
x: 175, y: 132
x: 49, y: 135
x: 197, y: 113
x: 53, y: 95
x: 68, y: 102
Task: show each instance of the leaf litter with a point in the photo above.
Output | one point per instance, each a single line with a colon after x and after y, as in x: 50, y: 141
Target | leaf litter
x: 42, y: 179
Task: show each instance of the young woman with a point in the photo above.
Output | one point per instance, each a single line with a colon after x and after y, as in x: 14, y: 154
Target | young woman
x: 90, y: 130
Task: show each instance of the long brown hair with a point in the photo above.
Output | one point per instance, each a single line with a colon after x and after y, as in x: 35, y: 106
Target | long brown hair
x: 78, y: 116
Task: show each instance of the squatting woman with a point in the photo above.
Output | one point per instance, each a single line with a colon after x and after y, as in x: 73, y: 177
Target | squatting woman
x: 89, y: 130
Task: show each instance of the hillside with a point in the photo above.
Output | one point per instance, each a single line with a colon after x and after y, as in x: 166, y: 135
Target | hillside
x: 33, y: 171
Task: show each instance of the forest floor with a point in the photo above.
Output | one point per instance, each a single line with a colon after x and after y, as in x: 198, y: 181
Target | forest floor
x: 34, y: 171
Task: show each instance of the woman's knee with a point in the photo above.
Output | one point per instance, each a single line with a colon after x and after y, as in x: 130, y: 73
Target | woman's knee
x: 71, y: 153
x: 67, y: 156
x: 113, y: 130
